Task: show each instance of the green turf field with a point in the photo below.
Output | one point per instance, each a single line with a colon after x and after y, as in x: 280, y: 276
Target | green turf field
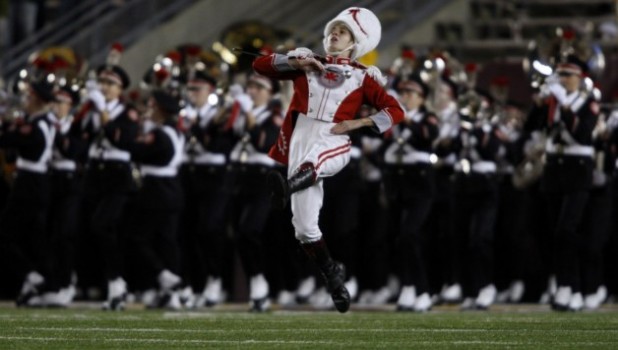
x: 445, y: 328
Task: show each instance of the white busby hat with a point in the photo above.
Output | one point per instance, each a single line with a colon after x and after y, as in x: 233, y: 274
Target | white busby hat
x: 365, y: 28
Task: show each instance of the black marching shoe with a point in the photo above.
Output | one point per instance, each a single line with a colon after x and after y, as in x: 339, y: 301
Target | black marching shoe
x: 334, y: 275
x: 260, y: 305
x: 279, y: 188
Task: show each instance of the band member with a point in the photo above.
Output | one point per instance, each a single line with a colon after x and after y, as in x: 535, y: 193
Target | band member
x: 159, y: 200
x: 410, y: 186
x: 313, y: 141
x: 68, y: 156
x: 259, y: 125
x: 442, y: 215
x: 207, y: 161
x: 23, y: 235
x: 569, y: 116
x: 111, y: 128
x: 476, y: 202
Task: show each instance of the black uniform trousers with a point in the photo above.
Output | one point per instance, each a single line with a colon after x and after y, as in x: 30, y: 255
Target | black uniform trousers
x: 155, y: 226
x: 567, y: 181
x: 410, y: 190
x: 64, y: 213
x: 252, y: 205
x: 594, y: 234
x: 511, y: 234
x: 442, y: 251
x: 23, y: 235
x: 108, y: 185
x: 476, y: 209
x: 214, y: 188
x: 373, y: 258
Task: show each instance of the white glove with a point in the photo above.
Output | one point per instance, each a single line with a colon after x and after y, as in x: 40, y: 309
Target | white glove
x: 559, y: 92
x: 97, y: 98
x: 300, y: 53
x: 236, y: 90
x: 245, y: 102
x: 91, y: 85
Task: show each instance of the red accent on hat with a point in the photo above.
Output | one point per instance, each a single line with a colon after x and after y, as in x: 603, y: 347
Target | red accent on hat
x: 411, y: 85
x: 193, y: 50
x: 63, y: 96
x: 161, y: 74
x: 109, y: 74
x: 500, y: 80
x: 261, y: 80
x: 409, y: 54
x: 134, y: 95
x: 118, y: 47
x: 471, y: 67
x: 568, y: 34
x: 569, y: 68
x: 175, y: 56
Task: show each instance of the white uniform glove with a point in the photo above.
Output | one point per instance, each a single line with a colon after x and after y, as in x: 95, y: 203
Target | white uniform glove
x: 236, y: 90
x: 300, y: 53
x: 559, y: 92
x: 97, y: 98
x: 245, y: 102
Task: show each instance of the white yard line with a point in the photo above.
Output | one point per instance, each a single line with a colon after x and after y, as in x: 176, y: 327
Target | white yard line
x: 299, y: 330
x: 296, y: 342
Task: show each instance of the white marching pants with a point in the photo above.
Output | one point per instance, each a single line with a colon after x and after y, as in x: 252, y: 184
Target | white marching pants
x: 312, y: 142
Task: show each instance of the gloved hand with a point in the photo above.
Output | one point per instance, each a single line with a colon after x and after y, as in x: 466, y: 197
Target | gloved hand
x: 97, y: 98
x: 245, y: 102
x: 236, y: 90
x: 300, y: 53
x: 302, y: 58
x: 559, y: 93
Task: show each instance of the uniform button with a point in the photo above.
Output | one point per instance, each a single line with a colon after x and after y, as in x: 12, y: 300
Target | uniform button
x: 310, y: 110
x: 311, y: 94
x: 338, y: 103
x: 560, y: 161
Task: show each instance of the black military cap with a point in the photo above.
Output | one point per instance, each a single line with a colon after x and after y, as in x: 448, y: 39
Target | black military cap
x: 167, y: 102
x: 44, y: 90
x: 572, y: 65
x: 114, y: 73
x: 67, y: 94
x: 265, y: 82
x: 412, y: 82
x: 201, y: 76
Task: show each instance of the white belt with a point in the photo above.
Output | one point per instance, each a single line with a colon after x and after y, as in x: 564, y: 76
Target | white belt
x: 451, y: 159
x: 484, y: 167
x: 112, y: 154
x: 158, y: 171
x: 64, y: 164
x: 409, y: 158
x: 35, y: 167
x: 355, y: 153
x: 260, y: 158
x: 209, y: 158
x: 571, y: 150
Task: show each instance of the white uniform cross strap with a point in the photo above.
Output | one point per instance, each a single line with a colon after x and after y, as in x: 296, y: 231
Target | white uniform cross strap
x: 40, y: 165
x: 58, y: 161
x: 171, y: 169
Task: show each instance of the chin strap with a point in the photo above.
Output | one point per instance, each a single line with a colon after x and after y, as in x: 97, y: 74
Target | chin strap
x: 337, y: 53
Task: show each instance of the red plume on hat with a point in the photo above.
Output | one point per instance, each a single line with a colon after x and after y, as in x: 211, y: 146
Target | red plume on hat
x: 175, y: 56
x: 115, y: 54
x: 471, y: 67
x: 408, y: 54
